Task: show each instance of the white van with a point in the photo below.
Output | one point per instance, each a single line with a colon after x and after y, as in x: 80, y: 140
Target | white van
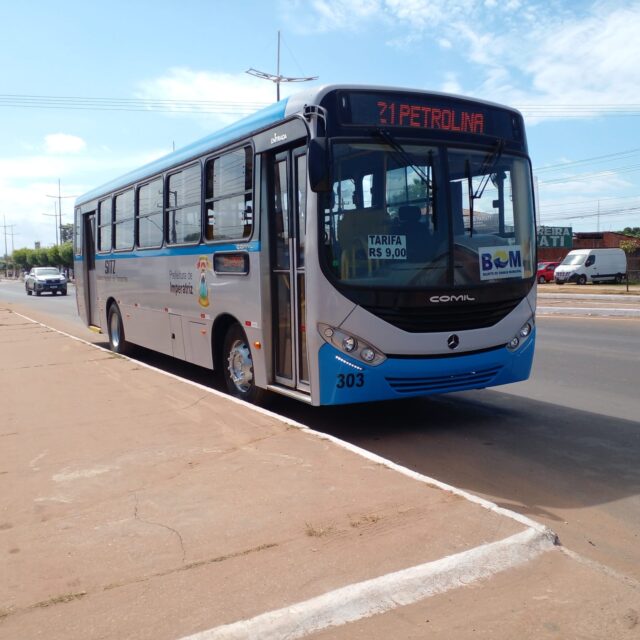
x: 592, y: 265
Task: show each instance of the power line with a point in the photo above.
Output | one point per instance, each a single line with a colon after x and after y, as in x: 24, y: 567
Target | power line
x: 565, y: 205
x: 595, y: 160
x: 595, y: 174
x: 579, y: 111
x: 128, y: 104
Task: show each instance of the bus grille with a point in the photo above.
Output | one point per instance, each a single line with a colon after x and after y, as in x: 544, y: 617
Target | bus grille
x: 432, y: 319
x: 435, y: 384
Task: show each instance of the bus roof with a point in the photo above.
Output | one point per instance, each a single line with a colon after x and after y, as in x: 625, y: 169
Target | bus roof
x: 258, y: 120
x: 252, y: 123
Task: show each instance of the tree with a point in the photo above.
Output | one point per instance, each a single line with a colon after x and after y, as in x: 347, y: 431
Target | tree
x: 41, y: 257
x: 631, y: 231
x: 66, y: 233
x: 53, y: 256
x: 21, y: 259
x: 66, y: 254
x: 629, y: 247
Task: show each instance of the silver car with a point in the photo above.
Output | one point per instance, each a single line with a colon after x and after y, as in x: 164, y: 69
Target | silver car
x: 45, y: 279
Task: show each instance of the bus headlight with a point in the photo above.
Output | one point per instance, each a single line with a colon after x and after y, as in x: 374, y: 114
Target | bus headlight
x: 368, y: 354
x: 521, y: 337
x: 525, y: 331
x: 352, y: 345
x: 349, y: 343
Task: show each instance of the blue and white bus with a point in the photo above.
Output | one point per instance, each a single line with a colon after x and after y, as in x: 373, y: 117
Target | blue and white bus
x: 347, y: 244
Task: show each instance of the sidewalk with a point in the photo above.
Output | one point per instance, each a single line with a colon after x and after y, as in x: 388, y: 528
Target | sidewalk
x: 134, y: 504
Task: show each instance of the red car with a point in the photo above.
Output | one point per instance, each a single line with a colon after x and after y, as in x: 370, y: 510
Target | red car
x: 545, y: 271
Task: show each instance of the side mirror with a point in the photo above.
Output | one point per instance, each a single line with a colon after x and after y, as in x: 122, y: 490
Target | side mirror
x: 318, y: 161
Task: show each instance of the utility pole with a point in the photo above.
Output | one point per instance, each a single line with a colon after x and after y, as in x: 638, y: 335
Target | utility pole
x: 59, y: 213
x: 6, y: 226
x: 277, y: 78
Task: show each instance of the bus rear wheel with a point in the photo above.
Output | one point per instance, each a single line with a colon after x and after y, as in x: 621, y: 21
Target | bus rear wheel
x: 117, y: 341
x: 237, y: 367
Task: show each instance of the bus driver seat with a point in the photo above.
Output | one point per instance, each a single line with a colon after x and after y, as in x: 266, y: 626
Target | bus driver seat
x: 353, y: 232
x: 416, y: 232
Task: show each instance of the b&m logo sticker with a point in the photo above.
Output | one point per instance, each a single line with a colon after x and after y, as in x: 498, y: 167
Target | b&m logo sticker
x: 500, y: 262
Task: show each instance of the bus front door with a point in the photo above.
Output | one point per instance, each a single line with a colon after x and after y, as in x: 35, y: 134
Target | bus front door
x: 288, y: 227
x: 91, y: 290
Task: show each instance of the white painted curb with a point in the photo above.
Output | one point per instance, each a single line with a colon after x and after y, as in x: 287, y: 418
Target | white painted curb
x: 371, y: 597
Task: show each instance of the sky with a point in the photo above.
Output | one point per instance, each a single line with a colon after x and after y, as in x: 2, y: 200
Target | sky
x: 89, y: 91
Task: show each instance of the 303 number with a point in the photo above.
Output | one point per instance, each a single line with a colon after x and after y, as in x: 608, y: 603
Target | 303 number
x: 350, y: 380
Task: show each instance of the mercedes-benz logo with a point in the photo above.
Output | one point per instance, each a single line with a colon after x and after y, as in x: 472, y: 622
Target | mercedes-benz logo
x: 453, y: 341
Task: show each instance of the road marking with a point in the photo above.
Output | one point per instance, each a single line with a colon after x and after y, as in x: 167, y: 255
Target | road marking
x: 379, y: 595
x: 589, y: 311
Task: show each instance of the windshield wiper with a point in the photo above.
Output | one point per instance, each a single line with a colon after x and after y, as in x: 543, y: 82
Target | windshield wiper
x: 410, y: 162
x: 490, y: 161
x: 400, y: 150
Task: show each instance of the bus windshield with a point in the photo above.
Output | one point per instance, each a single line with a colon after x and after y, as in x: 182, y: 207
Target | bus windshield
x: 420, y: 216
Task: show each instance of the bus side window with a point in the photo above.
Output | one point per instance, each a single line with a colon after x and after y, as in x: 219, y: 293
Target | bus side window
x: 229, y: 196
x: 183, y: 205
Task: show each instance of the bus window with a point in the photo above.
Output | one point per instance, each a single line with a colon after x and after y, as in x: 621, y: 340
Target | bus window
x: 183, y: 206
x: 123, y: 223
x: 77, y: 233
x: 150, y: 214
x: 104, y: 225
x: 229, y: 199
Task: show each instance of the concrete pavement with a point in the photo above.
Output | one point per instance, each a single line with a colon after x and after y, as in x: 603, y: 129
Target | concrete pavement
x: 135, y: 504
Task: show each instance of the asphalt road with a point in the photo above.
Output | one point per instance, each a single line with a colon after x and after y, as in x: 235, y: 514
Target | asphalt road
x: 562, y: 447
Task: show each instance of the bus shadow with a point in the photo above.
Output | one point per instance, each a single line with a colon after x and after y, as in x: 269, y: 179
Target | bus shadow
x: 525, y: 454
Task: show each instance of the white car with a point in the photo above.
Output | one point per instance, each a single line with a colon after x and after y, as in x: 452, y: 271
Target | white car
x: 45, y: 279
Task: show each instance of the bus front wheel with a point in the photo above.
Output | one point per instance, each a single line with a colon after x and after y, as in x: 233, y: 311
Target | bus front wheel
x: 117, y: 341
x: 237, y: 366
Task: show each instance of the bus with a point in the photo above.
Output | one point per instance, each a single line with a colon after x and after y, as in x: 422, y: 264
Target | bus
x: 347, y: 244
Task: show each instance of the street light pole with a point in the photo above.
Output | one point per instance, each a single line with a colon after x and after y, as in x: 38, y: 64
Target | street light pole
x: 277, y: 78
x: 53, y: 215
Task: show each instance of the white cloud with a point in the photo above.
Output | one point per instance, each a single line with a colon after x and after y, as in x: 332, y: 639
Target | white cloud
x: 218, y: 98
x: 63, y: 143
x: 521, y: 52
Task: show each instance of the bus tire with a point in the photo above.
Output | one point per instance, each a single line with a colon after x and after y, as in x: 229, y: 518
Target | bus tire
x: 115, y: 329
x: 237, y: 367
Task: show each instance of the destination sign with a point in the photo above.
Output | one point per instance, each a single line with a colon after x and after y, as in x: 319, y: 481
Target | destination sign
x: 406, y: 114
x: 429, y: 112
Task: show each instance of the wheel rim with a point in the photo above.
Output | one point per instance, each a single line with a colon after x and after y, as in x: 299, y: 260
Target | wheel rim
x: 114, y: 330
x: 240, y: 366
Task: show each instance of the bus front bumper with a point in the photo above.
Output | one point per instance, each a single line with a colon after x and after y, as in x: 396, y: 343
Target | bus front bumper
x: 346, y: 380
